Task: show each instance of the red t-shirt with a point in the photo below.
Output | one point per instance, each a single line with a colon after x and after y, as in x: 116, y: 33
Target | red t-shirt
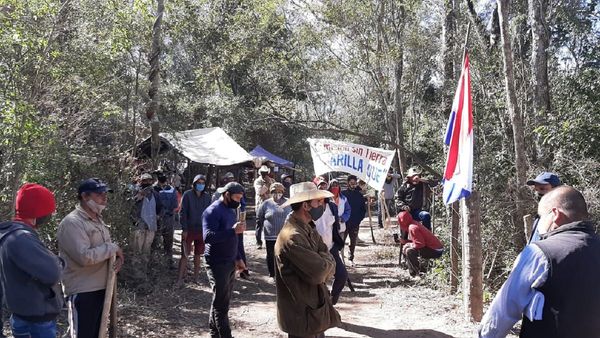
x: 422, y: 237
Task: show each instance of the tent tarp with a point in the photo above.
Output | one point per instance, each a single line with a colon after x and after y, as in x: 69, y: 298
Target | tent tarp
x: 208, y: 145
x: 259, y: 151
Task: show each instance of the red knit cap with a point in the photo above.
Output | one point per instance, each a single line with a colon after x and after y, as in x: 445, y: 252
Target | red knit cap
x: 34, y: 201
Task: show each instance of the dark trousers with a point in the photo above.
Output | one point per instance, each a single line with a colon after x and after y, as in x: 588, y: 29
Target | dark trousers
x: 258, y: 233
x: 220, y: 278
x: 166, y: 229
x: 352, y: 231
x: 85, y: 310
x: 412, y: 258
x: 340, y: 276
x: 271, y: 257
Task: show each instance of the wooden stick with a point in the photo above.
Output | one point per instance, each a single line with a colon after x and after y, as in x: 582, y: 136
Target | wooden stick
x: 112, y: 327
x: 108, y: 296
x: 370, y: 222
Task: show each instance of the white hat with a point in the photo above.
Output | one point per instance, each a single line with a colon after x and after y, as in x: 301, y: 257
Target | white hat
x: 305, y: 191
x: 146, y: 176
x: 264, y: 169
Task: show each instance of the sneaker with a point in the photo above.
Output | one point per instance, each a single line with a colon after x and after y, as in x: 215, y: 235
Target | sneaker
x: 259, y: 246
x: 245, y: 275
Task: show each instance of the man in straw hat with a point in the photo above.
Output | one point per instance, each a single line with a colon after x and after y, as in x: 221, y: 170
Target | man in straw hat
x: 303, y: 265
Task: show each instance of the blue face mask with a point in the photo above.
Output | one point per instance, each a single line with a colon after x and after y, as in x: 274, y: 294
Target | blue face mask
x: 200, y: 187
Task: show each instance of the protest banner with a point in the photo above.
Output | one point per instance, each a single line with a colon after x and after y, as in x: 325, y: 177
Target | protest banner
x: 367, y: 163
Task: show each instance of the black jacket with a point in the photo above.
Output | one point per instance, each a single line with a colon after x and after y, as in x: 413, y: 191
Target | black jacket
x: 572, y: 289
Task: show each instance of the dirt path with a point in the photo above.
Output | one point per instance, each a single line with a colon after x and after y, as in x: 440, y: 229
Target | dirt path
x: 387, y: 302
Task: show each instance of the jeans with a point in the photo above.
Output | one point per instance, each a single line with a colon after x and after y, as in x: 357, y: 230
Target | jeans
x: 25, y: 329
x: 340, y: 276
x: 271, y: 257
x: 423, y: 216
x: 85, y: 313
x: 220, y: 278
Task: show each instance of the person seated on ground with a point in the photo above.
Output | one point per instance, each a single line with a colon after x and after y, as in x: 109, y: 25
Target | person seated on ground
x: 271, y: 215
x: 421, y: 243
x: 413, y: 196
x: 328, y: 226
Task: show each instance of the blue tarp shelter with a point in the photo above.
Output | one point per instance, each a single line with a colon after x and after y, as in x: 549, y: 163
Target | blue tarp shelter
x: 263, y: 154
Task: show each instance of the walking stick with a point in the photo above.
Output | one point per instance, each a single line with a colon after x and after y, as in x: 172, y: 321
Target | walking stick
x: 112, y: 327
x: 108, y: 297
x: 183, y: 262
x: 370, y: 222
x: 350, y: 285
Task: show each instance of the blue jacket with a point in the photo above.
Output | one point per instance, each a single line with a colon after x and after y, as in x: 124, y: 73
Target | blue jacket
x: 29, y: 274
x: 222, y: 245
x: 357, y: 206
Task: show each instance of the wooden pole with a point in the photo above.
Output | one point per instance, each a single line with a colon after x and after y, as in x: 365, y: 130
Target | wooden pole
x: 370, y: 221
x: 472, y: 258
x: 112, y: 328
x: 454, y: 247
x: 108, y: 296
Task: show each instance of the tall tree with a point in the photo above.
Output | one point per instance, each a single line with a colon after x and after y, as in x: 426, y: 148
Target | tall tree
x: 154, y: 79
x: 516, y: 121
x: 539, y: 69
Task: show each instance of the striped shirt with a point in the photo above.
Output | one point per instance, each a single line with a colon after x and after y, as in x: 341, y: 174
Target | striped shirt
x: 272, y: 216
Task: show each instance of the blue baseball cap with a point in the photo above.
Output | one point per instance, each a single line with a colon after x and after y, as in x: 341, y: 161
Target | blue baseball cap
x: 545, y: 178
x: 232, y: 188
x: 93, y: 185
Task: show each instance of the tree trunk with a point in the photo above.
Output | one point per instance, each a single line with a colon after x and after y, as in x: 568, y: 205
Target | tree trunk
x: 472, y: 258
x: 449, y: 43
x: 516, y: 120
x: 399, y: 112
x: 154, y: 79
x: 539, y: 70
x: 398, y: 106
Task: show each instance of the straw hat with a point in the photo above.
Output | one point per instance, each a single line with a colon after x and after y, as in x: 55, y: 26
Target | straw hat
x: 305, y: 191
x: 413, y: 171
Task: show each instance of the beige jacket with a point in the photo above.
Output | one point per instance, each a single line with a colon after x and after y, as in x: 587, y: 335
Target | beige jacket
x: 86, y: 247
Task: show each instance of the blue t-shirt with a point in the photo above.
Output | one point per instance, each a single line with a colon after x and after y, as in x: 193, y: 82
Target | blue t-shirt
x: 222, y: 245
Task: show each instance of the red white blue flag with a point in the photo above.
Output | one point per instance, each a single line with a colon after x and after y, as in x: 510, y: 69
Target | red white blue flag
x: 458, y: 175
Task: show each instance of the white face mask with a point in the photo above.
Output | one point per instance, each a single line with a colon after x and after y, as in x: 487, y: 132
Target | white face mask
x: 97, y: 208
x: 277, y: 196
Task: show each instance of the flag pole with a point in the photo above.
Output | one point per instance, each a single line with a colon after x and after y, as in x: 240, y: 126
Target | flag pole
x: 465, y: 45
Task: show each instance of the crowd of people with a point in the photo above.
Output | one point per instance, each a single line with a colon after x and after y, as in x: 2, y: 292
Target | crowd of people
x: 303, y: 228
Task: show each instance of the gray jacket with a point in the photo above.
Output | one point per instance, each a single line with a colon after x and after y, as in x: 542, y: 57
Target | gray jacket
x: 29, y: 274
